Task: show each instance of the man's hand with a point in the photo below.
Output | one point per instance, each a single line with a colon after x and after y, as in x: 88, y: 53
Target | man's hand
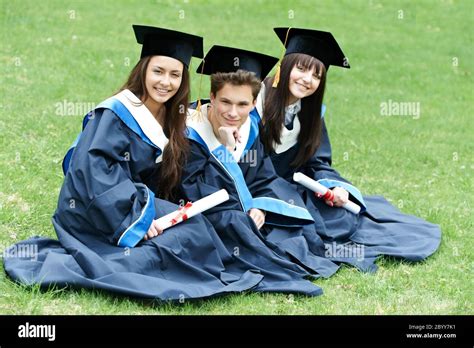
x: 257, y: 216
x: 229, y: 137
x: 153, y: 231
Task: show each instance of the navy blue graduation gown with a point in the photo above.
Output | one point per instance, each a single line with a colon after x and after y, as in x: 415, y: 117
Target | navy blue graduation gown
x: 106, y: 205
x: 379, y: 229
x: 287, y: 247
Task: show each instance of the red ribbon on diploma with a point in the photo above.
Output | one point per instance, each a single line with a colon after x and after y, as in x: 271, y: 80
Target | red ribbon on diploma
x: 181, y: 214
x: 328, y: 196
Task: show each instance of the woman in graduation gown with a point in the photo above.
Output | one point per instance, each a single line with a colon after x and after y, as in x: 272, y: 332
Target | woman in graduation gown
x: 264, y: 222
x: 120, y: 176
x: 295, y: 136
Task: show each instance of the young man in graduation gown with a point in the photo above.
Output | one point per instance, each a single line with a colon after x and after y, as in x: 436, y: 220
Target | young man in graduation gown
x: 265, y: 221
x: 290, y: 104
x: 110, y: 199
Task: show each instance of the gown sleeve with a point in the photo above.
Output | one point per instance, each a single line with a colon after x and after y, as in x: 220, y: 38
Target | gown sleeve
x: 274, y: 194
x: 265, y: 181
x: 115, y: 204
x: 202, y: 177
x: 319, y: 168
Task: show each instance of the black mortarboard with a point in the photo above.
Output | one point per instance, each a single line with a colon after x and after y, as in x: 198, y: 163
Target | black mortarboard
x: 229, y: 59
x: 319, y: 44
x: 170, y: 43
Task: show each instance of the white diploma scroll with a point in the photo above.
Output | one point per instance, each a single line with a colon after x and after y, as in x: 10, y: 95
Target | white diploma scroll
x: 191, y: 209
x: 326, y: 194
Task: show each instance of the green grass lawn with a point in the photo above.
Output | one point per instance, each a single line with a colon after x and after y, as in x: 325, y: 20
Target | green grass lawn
x: 80, y: 52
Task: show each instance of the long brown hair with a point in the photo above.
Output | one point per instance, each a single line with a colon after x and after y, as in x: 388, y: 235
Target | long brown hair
x: 309, y: 116
x: 175, y: 152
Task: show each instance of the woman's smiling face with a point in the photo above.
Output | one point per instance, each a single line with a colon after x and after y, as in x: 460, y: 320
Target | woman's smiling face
x: 303, y: 82
x: 163, y: 78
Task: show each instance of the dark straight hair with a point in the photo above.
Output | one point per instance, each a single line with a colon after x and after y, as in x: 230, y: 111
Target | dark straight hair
x: 276, y: 100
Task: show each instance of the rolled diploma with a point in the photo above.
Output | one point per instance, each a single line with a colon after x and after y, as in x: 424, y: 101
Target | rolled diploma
x: 318, y: 188
x: 197, y: 207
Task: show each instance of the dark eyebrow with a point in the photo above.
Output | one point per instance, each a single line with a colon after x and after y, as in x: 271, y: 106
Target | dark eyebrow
x: 159, y: 67
x: 224, y: 99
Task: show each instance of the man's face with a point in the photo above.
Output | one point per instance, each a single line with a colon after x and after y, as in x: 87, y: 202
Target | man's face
x: 231, y: 106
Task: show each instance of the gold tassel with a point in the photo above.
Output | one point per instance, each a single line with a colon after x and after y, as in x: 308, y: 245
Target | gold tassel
x: 277, y: 77
x: 197, y: 114
x: 276, y: 80
x: 198, y: 109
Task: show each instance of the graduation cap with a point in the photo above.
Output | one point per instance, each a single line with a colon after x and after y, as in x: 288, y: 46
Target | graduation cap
x: 170, y: 43
x: 228, y: 59
x: 318, y: 44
